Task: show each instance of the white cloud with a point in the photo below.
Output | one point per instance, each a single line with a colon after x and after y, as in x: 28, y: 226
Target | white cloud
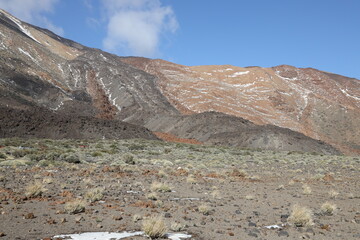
x: 135, y: 26
x: 32, y: 11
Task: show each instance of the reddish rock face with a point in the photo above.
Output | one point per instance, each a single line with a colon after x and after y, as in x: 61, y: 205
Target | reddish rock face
x: 320, y: 105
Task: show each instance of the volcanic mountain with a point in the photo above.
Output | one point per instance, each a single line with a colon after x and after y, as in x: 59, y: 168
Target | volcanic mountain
x: 54, y: 87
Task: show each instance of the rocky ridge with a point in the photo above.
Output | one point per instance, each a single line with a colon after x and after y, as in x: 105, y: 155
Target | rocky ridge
x: 320, y: 105
x: 40, y: 70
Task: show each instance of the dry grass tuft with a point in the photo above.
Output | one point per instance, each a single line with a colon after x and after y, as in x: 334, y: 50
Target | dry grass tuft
x: 136, y: 218
x: 204, y: 209
x: 154, y: 227
x: 152, y: 196
x: 177, y: 227
x: 190, y: 179
x: 306, y: 189
x: 333, y: 194
x: 75, y: 206
x: 160, y: 187
x: 328, y: 208
x: 94, y: 195
x: 301, y: 216
x: 35, y: 190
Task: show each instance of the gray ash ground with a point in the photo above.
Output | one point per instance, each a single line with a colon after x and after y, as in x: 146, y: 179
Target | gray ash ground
x: 216, y: 192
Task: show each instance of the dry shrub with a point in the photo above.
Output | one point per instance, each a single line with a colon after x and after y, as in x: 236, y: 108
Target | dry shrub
x: 301, y: 216
x: 306, y: 189
x: 94, y: 195
x: 35, y: 190
x: 160, y: 187
x: 154, y: 227
x: 75, y: 206
x: 328, y: 208
x: 204, y: 209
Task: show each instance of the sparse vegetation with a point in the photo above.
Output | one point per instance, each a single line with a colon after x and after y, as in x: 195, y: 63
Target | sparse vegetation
x: 35, y: 190
x: 2, y: 155
x: 333, y: 194
x: 204, y: 209
x: 154, y: 227
x: 160, y: 187
x: 177, y: 227
x: 75, y: 206
x: 223, y: 184
x: 306, y: 189
x: 136, y: 218
x: 301, y: 216
x: 152, y: 196
x: 94, y: 195
x: 328, y: 208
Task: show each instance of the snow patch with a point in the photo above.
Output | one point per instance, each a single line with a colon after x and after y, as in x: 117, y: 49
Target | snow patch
x: 275, y: 226
x: 62, y: 71
x: 27, y: 54
x: 238, y: 74
x: 99, y: 235
x: 116, y: 236
x: 58, y: 106
x: 22, y: 28
x: 348, y: 95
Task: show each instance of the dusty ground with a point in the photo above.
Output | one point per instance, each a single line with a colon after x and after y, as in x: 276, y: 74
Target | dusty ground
x: 243, y: 191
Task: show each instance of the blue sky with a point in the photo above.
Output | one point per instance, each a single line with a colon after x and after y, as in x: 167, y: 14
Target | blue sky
x: 323, y: 34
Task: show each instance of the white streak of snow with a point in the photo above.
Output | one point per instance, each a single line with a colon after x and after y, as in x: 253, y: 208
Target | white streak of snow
x: 238, y: 74
x: 116, y: 236
x: 348, y: 95
x: 22, y: 28
x: 27, y: 54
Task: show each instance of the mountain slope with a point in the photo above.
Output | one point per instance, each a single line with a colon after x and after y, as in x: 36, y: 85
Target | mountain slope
x: 320, y: 105
x: 58, y: 78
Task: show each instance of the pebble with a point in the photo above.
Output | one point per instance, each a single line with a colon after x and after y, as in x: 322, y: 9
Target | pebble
x: 29, y: 216
x: 251, y: 234
x: 251, y: 224
x: 283, y: 233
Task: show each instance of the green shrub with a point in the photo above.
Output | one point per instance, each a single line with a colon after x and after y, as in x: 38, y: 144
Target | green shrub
x: 129, y: 159
x: 96, y: 154
x: 70, y: 158
x: 2, y: 155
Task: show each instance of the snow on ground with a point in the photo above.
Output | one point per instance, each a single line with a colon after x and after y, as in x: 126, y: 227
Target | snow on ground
x: 348, y: 95
x: 238, y: 74
x: 27, y: 54
x: 116, y: 236
x: 22, y: 28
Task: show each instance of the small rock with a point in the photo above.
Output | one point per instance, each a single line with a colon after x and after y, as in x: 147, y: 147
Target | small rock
x: 2, y: 234
x: 167, y: 215
x: 79, y: 218
x: 284, y: 218
x: 118, y: 218
x: 251, y: 224
x: 238, y: 211
x: 51, y: 221
x: 283, y: 233
x: 63, y: 220
x: 251, y: 234
x: 29, y: 216
x: 99, y: 226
